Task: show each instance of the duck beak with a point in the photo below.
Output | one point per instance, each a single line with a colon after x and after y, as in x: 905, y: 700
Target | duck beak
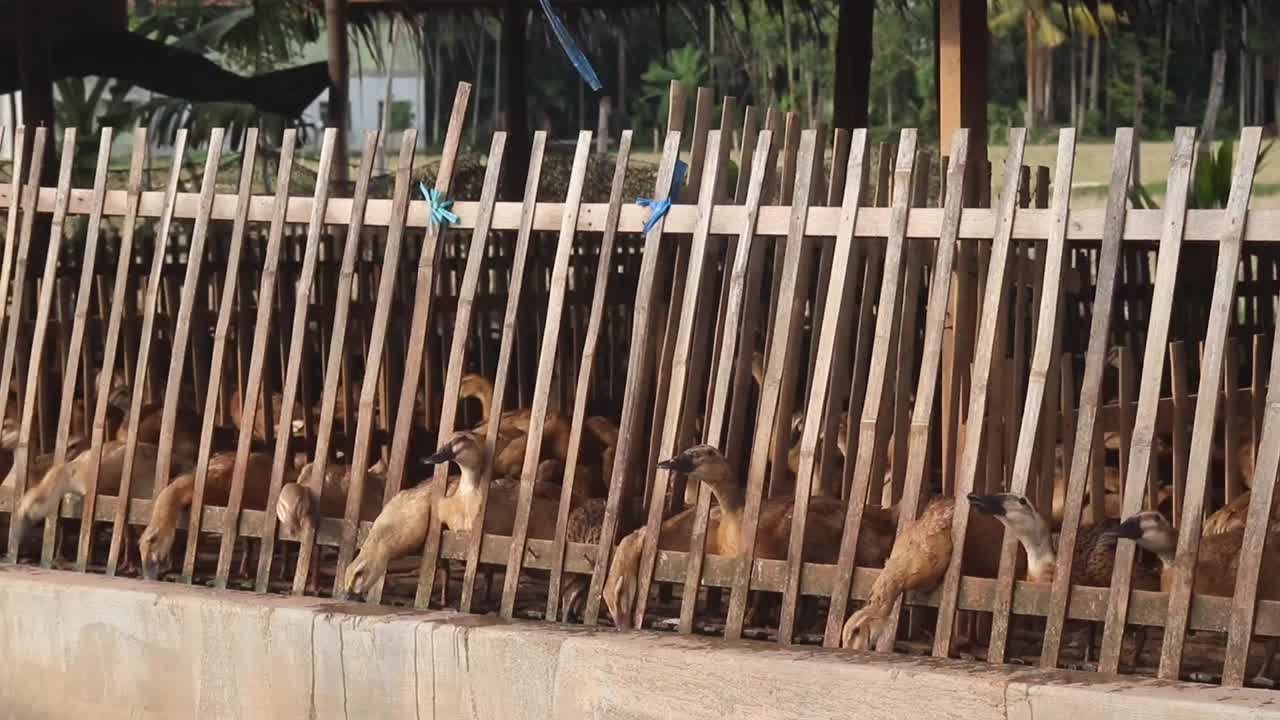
x: 1130, y: 529
x: 443, y: 455
x: 150, y: 569
x: 987, y: 504
x: 680, y: 463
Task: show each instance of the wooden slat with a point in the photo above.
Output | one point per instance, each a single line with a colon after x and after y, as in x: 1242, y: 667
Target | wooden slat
x: 124, y: 259
x: 329, y: 395
x: 457, y: 356
x: 1078, y: 451
x: 992, y: 311
x: 1220, y: 318
x: 217, y: 388
x: 1182, y: 409
x: 703, y: 112
x: 19, y: 277
x: 545, y: 363
x: 423, y: 292
x: 1048, y: 332
x: 178, y: 341
x: 1257, y: 392
x: 18, y: 163
x: 1149, y: 391
x: 779, y: 374
x: 1244, y: 604
x: 34, y: 359
x: 305, y: 287
x: 252, y: 391
x: 586, y: 367
x: 76, y: 349
x: 514, y: 292
x: 638, y: 369
x: 670, y: 435
x: 140, y: 376
x: 867, y: 460
x: 1231, y: 430
x: 835, y: 327
x: 724, y: 378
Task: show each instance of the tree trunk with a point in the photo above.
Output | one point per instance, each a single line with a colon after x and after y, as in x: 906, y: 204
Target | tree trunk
x: 853, y: 63
x: 1243, y: 117
x: 602, y: 126
x: 1073, y: 78
x: 622, y: 71
x: 437, y: 81
x: 335, y: 16
x: 1216, y: 87
x: 1047, y: 101
x: 388, y: 98
x: 497, y: 84
x: 475, y: 101
x: 1138, y: 102
x: 516, y: 101
x: 1164, y: 60
x: 1032, y: 72
x: 786, y: 34
x: 1094, y: 74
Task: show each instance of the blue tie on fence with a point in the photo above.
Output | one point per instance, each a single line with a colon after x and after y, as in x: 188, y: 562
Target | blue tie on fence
x: 660, y: 207
x: 576, y: 56
x: 440, y: 212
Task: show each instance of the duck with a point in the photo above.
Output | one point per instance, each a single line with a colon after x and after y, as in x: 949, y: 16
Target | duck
x: 157, y: 539
x: 1233, y: 515
x: 513, y: 428
x: 1217, y: 561
x: 458, y: 510
x: 186, y: 430
x: 72, y: 476
x: 400, y: 529
x: 302, y: 503
x: 918, y: 561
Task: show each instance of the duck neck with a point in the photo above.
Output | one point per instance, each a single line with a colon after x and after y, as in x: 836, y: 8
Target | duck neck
x: 483, y: 393
x: 1042, y: 558
x: 470, y: 480
x: 731, y: 500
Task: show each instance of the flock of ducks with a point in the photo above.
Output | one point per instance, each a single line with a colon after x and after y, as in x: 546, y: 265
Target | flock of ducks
x: 914, y: 557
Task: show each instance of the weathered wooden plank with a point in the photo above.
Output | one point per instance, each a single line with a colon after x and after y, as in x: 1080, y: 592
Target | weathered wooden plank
x: 779, y: 368
x: 1231, y: 430
x: 1078, y: 451
x: 140, y: 377
x: 1244, y: 604
x: 718, y: 147
x: 329, y: 395
x: 76, y: 347
x: 124, y: 258
x: 725, y: 379
x: 217, y: 388
x: 34, y: 359
x: 421, y: 313
x: 546, y: 363
x: 297, y: 349
x: 1183, y: 408
x: 836, y: 320
x: 1048, y: 332
x: 1149, y: 391
x: 585, y: 369
x: 414, y: 365
x: 992, y: 311
x: 638, y: 369
x: 514, y: 290
x: 1220, y: 318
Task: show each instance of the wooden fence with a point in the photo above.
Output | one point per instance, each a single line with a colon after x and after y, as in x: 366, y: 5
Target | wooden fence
x: 963, y: 340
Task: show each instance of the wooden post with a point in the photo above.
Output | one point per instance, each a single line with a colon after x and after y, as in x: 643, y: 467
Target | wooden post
x: 36, y: 81
x: 962, y: 75
x: 335, y: 16
x: 853, y: 63
x: 602, y: 126
x: 513, y: 84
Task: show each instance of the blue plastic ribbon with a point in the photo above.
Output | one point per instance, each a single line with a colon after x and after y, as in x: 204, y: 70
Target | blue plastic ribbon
x: 440, y: 212
x: 570, y: 47
x: 660, y: 207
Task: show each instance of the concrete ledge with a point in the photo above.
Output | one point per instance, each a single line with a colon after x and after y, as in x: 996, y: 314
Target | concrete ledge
x: 89, y: 646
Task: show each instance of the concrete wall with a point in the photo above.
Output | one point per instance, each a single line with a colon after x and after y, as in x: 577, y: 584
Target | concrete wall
x: 77, y: 646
